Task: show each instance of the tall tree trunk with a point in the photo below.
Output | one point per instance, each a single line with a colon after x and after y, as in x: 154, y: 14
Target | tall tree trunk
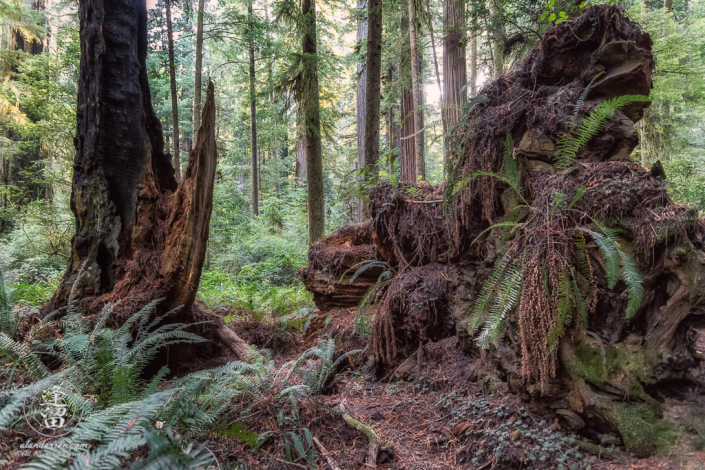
x: 253, y: 116
x: 406, y: 109
x: 174, y: 97
x: 361, y: 93
x: 668, y: 4
x: 417, y: 94
x: 312, y: 124
x: 372, y: 97
x: 438, y: 76
x: 473, y: 62
x: 199, y: 69
x: 454, y: 67
x: 499, y: 38
x: 139, y: 235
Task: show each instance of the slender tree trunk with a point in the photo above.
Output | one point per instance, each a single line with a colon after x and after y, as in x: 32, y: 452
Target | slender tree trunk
x: 199, y: 70
x: 361, y: 93
x: 174, y: 97
x: 473, y: 63
x: 312, y: 124
x: 417, y: 94
x: 253, y: 116
x: 454, y: 67
x: 499, y: 38
x: 372, y: 97
x: 300, y: 148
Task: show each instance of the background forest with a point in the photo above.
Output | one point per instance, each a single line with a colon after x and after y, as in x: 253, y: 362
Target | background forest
x: 251, y: 52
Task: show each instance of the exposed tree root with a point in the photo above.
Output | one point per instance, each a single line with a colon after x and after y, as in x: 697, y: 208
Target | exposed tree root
x: 373, y: 448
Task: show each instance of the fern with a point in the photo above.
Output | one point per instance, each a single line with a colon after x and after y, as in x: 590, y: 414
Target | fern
x: 507, y: 297
x: 22, y: 354
x: 619, y: 263
x: 489, y: 295
x: 567, y: 148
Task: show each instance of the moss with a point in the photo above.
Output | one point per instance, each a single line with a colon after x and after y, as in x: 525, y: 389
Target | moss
x: 642, y: 431
x: 622, y: 366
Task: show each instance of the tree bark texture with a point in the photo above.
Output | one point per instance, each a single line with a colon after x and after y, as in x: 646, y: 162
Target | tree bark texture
x: 312, y: 124
x: 174, y: 97
x: 253, y: 120
x: 361, y: 92
x: 139, y: 235
x: 372, y: 97
x: 473, y: 63
x: 406, y: 108
x: 199, y: 69
x: 454, y: 67
x: 416, y: 94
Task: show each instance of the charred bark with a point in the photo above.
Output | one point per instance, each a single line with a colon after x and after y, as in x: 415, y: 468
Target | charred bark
x: 139, y: 235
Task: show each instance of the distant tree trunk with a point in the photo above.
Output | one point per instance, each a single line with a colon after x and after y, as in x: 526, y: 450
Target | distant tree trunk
x: 473, y: 63
x: 454, y: 67
x: 253, y: 117
x: 174, y: 97
x: 668, y: 4
x: 300, y: 148
x: 406, y: 110
x: 312, y: 124
x: 417, y: 94
x: 499, y: 38
x: 199, y: 69
x: 361, y: 94
x: 372, y: 97
x: 139, y: 235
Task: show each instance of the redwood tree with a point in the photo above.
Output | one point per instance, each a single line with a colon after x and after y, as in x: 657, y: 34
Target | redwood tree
x: 174, y: 97
x: 139, y: 235
x: 454, y: 66
x: 372, y: 95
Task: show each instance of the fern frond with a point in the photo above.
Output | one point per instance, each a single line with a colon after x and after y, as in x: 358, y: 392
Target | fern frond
x: 565, y: 307
x: 507, y: 298
x: 488, y: 294
x: 633, y: 280
x: 23, y: 354
x: 567, y: 148
x: 609, y: 252
x: 499, y: 224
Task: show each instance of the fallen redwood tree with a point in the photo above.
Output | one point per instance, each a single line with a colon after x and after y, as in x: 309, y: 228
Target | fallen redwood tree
x: 139, y: 236
x: 565, y: 266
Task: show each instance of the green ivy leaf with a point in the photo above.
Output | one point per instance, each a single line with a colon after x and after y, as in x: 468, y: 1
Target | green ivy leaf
x: 552, y: 17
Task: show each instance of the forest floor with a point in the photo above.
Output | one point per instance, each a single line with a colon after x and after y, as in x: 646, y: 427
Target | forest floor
x: 438, y: 420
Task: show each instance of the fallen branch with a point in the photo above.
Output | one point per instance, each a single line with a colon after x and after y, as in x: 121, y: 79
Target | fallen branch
x: 373, y: 447
x: 292, y: 464
x: 598, y: 450
x: 331, y: 462
x: 237, y: 345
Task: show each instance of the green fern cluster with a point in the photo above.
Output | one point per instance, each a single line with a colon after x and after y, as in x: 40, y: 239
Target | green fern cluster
x: 318, y: 367
x: 499, y: 296
x: 567, y: 148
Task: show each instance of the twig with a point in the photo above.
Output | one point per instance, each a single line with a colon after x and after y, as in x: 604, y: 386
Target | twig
x: 426, y: 202
x: 331, y: 462
x: 290, y: 463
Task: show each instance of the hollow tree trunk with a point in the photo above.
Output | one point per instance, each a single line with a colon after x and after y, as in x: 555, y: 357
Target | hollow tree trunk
x: 174, y: 97
x: 139, y: 236
x: 372, y: 97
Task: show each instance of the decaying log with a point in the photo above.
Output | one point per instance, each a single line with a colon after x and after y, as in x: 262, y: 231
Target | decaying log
x: 139, y: 236
x: 370, y: 434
